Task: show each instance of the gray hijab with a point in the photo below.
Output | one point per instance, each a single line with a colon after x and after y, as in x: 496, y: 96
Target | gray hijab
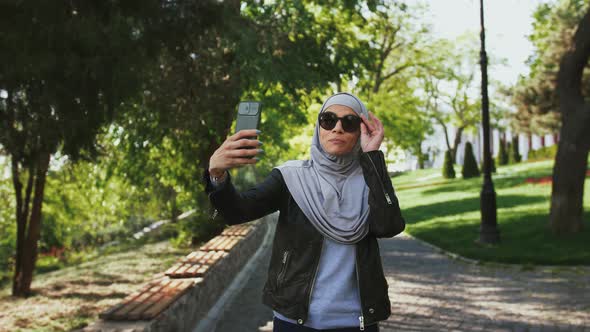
x: 331, y: 190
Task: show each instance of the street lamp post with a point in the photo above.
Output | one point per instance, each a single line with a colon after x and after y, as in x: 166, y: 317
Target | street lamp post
x: 488, y: 232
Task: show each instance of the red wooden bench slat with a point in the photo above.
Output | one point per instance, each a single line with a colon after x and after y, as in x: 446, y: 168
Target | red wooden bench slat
x: 174, y: 291
x: 173, y: 269
x: 239, y: 230
x: 135, y: 314
x: 230, y: 244
x: 154, y: 288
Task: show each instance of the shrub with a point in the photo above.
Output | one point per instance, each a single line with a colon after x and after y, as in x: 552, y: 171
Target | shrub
x: 470, y: 168
x: 502, y: 154
x: 515, y: 156
x: 448, y: 170
x: 493, y: 165
x: 547, y: 152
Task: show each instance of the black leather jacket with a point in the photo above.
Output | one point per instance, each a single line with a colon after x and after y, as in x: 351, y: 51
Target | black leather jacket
x: 297, y: 244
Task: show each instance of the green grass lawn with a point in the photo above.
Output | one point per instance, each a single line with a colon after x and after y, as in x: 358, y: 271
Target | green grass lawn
x: 446, y: 213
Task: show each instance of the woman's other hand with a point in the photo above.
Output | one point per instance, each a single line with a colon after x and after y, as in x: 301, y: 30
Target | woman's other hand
x: 236, y: 151
x: 371, y: 133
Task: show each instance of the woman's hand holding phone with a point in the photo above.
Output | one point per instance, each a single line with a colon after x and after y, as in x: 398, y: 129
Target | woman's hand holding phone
x: 238, y: 150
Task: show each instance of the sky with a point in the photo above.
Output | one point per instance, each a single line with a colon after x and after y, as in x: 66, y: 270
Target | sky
x: 507, y: 23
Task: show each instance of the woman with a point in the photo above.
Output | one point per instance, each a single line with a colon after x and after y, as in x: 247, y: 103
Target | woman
x: 325, y: 271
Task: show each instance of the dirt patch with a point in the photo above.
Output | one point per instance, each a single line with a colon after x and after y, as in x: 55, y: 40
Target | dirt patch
x: 545, y: 179
x: 73, y: 297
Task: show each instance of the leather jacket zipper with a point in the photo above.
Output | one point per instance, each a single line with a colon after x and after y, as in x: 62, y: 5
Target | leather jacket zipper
x: 358, y: 285
x: 314, y: 276
x: 281, y: 274
x: 387, y: 198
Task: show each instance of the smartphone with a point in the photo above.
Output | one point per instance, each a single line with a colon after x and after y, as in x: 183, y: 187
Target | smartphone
x: 248, y: 117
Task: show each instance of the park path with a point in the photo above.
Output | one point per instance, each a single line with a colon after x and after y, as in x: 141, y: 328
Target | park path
x: 431, y: 291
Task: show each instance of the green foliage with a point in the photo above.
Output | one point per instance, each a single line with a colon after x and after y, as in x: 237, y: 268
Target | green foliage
x: 544, y: 153
x: 448, y: 171
x: 502, y: 154
x: 87, y: 206
x: 7, y: 224
x: 197, y: 229
x: 61, y: 77
x: 535, y: 95
x: 399, y: 50
x: 470, y: 168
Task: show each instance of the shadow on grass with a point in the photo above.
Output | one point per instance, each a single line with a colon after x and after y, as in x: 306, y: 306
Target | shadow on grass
x: 87, y: 296
x: 420, y: 213
x: 500, y: 182
x: 524, y: 239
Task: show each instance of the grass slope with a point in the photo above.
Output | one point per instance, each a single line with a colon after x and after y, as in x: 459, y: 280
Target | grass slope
x: 72, y: 297
x: 446, y: 213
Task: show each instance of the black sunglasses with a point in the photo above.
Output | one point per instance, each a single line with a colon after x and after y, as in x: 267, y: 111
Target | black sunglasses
x: 350, y: 123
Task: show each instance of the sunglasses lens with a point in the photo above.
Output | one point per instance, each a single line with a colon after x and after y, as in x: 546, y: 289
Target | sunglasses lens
x: 328, y: 120
x: 351, y: 123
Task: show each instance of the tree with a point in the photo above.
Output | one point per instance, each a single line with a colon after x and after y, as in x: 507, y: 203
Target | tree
x: 455, y: 68
x: 535, y: 95
x: 514, y: 153
x: 470, y: 168
x: 502, y: 154
x: 464, y: 106
x: 448, y: 169
x: 284, y: 54
x: 399, y: 49
x: 569, y: 171
x: 66, y: 68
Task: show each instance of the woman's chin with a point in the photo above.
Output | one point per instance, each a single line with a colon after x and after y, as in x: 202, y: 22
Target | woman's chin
x: 338, y: 152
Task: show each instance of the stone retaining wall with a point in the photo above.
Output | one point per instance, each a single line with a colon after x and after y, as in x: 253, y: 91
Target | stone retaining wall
x: 187, y: 310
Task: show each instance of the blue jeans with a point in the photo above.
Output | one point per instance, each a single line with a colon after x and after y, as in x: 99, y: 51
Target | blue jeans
x: 280, y: 325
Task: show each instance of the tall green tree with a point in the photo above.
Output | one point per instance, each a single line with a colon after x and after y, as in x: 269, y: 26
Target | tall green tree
x: 400, y: 48
x: 571, y: 161
x: 535, y: 94
x: 453, y: 71
x: 462, y: 101
x: 285, y: 54
x: 66, y: 68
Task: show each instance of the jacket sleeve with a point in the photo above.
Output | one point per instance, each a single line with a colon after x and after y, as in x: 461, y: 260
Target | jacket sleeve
x: 240, y: 207
x: 385, y: 218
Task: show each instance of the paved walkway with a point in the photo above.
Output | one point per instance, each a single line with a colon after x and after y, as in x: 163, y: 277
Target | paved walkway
x: 431, y: 292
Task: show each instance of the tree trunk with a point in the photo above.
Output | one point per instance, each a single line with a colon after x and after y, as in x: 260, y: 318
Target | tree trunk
x: 29, y: 226
x: 543, y: 141
x: 571, y: 160
x: 456, y: 143
x: 420, y: 155
x: 530, y: 138
x: 446, y: 132
x: 174, y: 210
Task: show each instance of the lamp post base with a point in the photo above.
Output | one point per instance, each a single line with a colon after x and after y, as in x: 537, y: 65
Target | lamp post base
x: 488, y: 231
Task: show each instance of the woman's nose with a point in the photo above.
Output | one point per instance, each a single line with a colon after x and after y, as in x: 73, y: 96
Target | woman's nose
x: 338, y: 127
